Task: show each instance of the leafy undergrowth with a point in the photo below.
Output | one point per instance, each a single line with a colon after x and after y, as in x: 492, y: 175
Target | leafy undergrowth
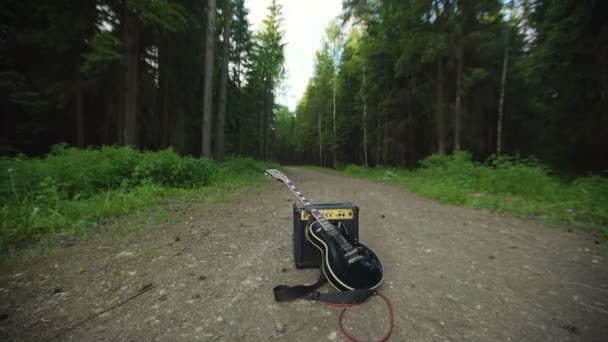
x: 510, y: 184
x: 71, y: 190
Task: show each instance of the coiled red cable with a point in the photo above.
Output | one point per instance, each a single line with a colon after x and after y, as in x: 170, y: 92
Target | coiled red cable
x: 354, y: 338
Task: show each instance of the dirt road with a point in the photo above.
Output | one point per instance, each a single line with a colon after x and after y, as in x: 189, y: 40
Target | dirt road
x: 452, y: 274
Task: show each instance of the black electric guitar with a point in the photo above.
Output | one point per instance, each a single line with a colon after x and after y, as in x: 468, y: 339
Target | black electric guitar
x: 346, y: 263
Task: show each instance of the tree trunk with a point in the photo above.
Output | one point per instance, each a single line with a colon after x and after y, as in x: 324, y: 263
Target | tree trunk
x: 112, y: 125
x: 411, y: 120
x: 130, y: 76
x: 262, y: 110
x: 386, y: 150
x: 208, y: 81
x: 377, y: 141
x: 334, y: 147
x: 503, y: 82
x: 221, y: 112
x: 237, y: 119
x: 364, y: 122
x: 178, y: 138
x: 320, y: 139
x: 501, y: 102
x: 458, y: 104
x: 440, y: 119
x: 80, y: 117
x: 163, y: 82
x: 267, y: 125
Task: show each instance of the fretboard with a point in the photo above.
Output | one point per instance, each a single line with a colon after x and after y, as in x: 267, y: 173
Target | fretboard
x: 314, y: 212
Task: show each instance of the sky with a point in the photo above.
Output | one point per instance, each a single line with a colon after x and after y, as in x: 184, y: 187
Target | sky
x: 304, y: 23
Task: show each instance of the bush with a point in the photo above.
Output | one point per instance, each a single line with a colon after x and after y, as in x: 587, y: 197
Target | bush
x: 457, y: 170
x: 590, y: 195
x: 436, y: 161
x: 74, y: 172
x: 245, y: 165
x: 356, y: 169
x: 499, y: 175
x: 70, y: 189
x: 169, y: 169
x: 523, y: 176
x: 507, y: 183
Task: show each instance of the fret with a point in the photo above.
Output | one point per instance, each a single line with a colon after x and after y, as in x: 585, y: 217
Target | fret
x: 313, y: 212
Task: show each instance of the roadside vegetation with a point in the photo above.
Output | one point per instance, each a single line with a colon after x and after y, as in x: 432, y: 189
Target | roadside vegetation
x: 70, y: 191
x: 522, y: 186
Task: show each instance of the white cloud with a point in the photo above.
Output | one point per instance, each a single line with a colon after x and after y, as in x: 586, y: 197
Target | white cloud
x: 304, y: 23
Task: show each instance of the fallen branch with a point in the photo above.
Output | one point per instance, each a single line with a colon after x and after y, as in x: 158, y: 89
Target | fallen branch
x: 145, y: 288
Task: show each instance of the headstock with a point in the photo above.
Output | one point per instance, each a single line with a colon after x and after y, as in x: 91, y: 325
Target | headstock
x: 278, y: 175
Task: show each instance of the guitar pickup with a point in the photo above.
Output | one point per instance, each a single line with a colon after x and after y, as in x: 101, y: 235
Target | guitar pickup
x: 353, y: 251
x: 355, y: 259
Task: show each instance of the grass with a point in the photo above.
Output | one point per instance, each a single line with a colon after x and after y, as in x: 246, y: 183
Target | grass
x: 507, y: 184
x: 71, y: 191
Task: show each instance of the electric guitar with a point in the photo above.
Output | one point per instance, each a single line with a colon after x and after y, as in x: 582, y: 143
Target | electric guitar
x: 346, y: 263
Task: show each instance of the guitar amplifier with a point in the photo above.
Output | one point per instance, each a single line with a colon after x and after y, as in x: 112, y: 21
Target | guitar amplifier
x: 343, y: 214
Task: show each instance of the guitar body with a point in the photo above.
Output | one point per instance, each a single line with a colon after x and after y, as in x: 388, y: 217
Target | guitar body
x: 366, y: 273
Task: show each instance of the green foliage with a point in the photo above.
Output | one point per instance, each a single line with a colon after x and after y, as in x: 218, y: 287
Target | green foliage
x: 169, y: 169
x: 519, y: 185
x: 240, y: 171
x: 242, y: 165
x: 105, y: 50
x: 70, y: 190
x: 313, y: 124
x: 357, y: 170
x: 390, y: 88
x: 165, y: 14
x: 75, y: 173
x: 270, y: 52
x: 14, y: 87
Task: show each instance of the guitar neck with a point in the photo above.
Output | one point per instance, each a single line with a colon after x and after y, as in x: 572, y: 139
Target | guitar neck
x: 314, y: 212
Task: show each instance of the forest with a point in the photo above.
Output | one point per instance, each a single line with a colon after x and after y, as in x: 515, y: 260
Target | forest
x: 395, y: 81
x: 410, y: 78
x: 144, y: 73
x: 453, y: 151
x: 505, y: 99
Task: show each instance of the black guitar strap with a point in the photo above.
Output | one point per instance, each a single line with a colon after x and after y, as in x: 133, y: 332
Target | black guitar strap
x: 283, y: 293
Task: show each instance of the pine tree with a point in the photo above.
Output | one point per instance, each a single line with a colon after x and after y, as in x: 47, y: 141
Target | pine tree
x: 268, y: 71
x: 208, y: 80
x: 221, y: 116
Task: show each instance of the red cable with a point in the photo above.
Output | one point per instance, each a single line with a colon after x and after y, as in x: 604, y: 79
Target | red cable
x: 355, y: 339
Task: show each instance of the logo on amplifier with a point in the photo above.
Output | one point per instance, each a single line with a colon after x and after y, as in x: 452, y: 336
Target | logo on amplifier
x: 331, y: 214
